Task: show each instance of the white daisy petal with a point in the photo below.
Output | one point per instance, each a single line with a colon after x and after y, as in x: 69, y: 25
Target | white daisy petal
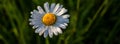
x: 39, y: 29
x: 53, y: 29
x: 45, y: 33
x: 56, y: 8
x: 31, y: 12
x: 52, y: 7
x: 66, y: 16
x: 46, y: 6
x: 35, y: 22
x: 59, y: 9
x: 32, y: 20
x: 30, y: 23
x: 62, y: 20
x: 65, y: 24
x: 42, y: 31
x: 59, y: 30
x: 50, y: 32
x: 35, y: 26
x: 63, y: 10
x: 35, y: 14
x: 40, y: 10
x: 62, y: 26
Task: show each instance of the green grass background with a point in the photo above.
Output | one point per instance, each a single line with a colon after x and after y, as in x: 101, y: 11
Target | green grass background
x: 91, y: 22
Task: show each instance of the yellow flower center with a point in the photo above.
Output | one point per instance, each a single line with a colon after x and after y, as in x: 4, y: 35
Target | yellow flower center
x: 49, y: 19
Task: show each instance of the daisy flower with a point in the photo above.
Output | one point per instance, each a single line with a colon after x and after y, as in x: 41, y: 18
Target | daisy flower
x: 51, y: 21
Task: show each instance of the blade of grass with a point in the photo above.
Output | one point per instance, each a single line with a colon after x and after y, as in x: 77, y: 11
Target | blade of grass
x: 112, y: 33
x: 78, y: 5
x: 4, y: 40
x: 94, y: 17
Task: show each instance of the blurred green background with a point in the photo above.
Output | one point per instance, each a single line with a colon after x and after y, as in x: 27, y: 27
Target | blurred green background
x: 91, y: 22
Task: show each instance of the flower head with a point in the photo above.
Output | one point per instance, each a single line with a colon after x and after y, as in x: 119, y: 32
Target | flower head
x: 50, y: 21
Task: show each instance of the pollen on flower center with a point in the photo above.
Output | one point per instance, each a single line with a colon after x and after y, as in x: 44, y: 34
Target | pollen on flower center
x: 49, y: 19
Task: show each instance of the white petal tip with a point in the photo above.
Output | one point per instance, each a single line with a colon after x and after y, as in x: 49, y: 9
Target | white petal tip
x: 40, y: 34
x: 38, y: 7
x: 45, y: 36
x: 66, y: 16
x: 30, y: 23
x: 50, y: 36
x: 31, y: 12
x: 62, y: 26
x: 33, y: 27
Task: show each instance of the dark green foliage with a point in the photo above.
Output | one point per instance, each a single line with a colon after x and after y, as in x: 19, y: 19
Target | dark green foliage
x: 91, y: 22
